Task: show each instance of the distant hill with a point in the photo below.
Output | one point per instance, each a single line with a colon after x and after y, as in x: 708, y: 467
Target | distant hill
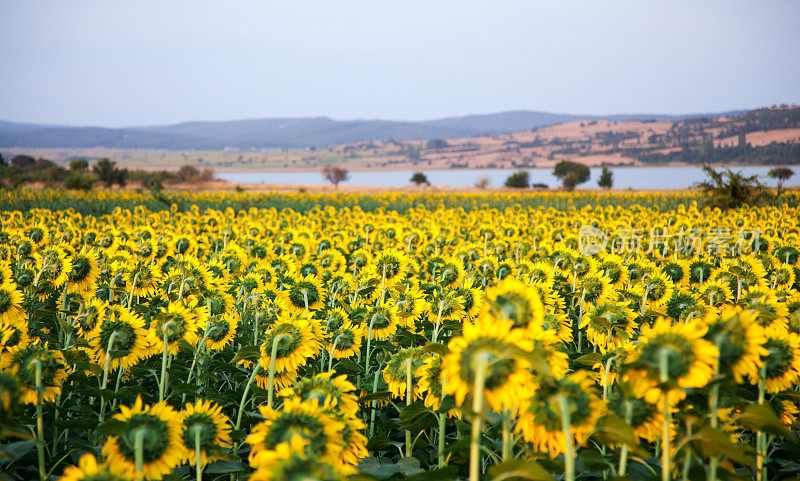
x: 289, y: 132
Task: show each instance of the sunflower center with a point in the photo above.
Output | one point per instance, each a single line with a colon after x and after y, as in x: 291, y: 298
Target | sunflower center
x: 298, y: 299
x: 80, y: 269
x: 218, y: 331
x: 778, y: 360
x: 345, y: 338
x: 678, y: 351
x: 5, y: 300
x: 514, y: 306
x: 123, y: 341
x: 288, y: 424
x: 155, y: 438
x: 207, y: 427
x: 499, y: 365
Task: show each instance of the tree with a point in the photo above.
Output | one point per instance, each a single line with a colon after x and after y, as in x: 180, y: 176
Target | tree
x: 571, y: 173
x: 188, y: 173
x: 782, y: 174
x: 334, y: 175
x: 22, y: 161
x: 104, y: 169
x: 518, y: 180
x: 482, y: 183
x: 79, y: 165
x: 436, y: 144
x: 729, y: 190
x: 606, y: 180
x: 419, y: 178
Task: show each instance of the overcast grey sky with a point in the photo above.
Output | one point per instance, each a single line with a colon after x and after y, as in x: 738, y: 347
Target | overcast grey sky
x: 120, y: 63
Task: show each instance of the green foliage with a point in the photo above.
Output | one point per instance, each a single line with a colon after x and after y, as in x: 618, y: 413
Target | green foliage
x: 728, y: 190
x: 518, y: 180
x: 571, y: 173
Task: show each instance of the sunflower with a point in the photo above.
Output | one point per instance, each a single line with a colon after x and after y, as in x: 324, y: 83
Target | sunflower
x: 177, y: 322
x: 21, y: 362
x: 53, y: 266
x: 390, y: 266
x: 716, y: 293
x: 13, y: 336
x: 445, y: 305
x: 782, y: 363
x: 325, y: 390
x: 739, y: 339
x: 782, y: 276
x: 296, y: 340
x: 429, y: 382
x: 401, y: 365
x: 541, y: 273
x: 213, y: 426
x: 645, y: 418
x: 682, y: 304
x: 288, y: 460
x: 88, y: 470
x: 159, y: 428
x: 410, y: 305
x: 11, y: 311
x: 506, y: 374
x: 221, y: 331
x: 320, y: 432
x: 345, y: 341
x: 381, y: 320
x: 677, y: 271
x: 691, y: 360
x: 304, y: 293
x: 85, y: 271
x: 540, y: 418
x: 609, y: 326
x: 513, y: 299
x: 9, y: 393
x: 129, y: 342
x: 142, y: 280
x: 658, y: 289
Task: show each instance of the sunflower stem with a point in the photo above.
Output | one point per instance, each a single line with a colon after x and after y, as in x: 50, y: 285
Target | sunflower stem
x: 273, y: 354
x: 333, y: 349
x: 569, y: 455
x: 39, y: 419
x: 481, y: 361
x: 383, y: 284
x: 409, y: 398
x: 508, y: 445
x: 197, y: 430
x: 580, y: 318
x: 162, y: 386
x: 760, y: 438
x: 138, y: 452
x: 435, y: 335
x: 105, y: 375
x: 623, y: 456
x: 305, y: 298
x: 369, y: 342
x: 244, y: 395
x: 374, y: 404
x: 663, y: 368
x: 442, y: 428
x: 133, y: 286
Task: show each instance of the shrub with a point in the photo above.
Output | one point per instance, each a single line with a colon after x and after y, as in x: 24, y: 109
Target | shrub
x: 518, y: 180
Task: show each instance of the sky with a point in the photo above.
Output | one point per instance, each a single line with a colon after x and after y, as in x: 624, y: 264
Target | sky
x: 147, y: 62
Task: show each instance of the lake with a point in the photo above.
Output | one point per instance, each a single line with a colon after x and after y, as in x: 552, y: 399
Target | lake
x: 624, y: 177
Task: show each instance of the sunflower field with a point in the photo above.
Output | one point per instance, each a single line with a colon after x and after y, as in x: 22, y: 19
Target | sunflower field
x: 390, y: 337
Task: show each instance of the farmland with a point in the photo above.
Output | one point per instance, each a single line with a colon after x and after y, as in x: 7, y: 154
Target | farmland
x: 235, y: 336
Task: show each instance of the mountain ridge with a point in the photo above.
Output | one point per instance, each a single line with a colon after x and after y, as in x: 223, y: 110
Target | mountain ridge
x: 294, y: 132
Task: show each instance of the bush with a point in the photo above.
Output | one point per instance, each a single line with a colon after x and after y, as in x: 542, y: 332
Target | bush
x: 518, y: 180
x: 75, y: 180
x: 728, y: 190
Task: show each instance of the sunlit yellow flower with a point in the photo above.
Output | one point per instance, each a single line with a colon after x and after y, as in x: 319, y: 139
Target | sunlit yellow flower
x: 162, y: 445
x: 506, y: 372
x: 540, y: 419
x: 88, y: 470
x: 205, y: 418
